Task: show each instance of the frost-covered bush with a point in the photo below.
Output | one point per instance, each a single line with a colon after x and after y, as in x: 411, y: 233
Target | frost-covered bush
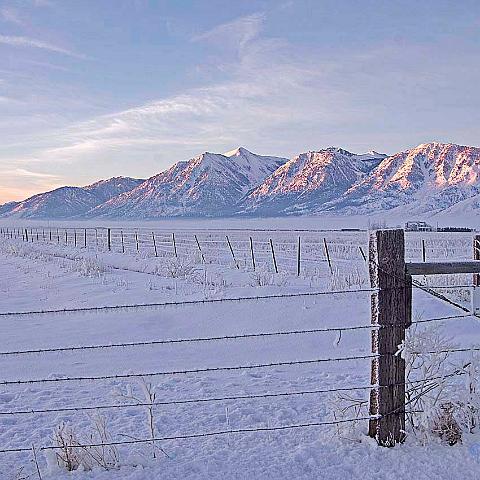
x: 180, y: 267
x: 76, y: 452
x: 442, y: 405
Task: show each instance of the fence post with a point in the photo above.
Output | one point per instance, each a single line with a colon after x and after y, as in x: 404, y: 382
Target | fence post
x: 391, y: 312
x: 273, y: 256
x: 174, y: 245
x: 154, y: 244
x: 476, y: 256
x: 231, y: 251
x: 252, y: 252
x: 109, y: 239
x: 200, y: 249
x: 298, y: 257
x: 327, y: 255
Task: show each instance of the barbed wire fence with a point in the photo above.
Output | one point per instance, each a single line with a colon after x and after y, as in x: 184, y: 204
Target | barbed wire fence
x: 391, y: 316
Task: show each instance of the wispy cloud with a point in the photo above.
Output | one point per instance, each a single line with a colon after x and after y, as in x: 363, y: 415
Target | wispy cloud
x: 29, y: 174
x: 20, y: 41
x: 239, y: 32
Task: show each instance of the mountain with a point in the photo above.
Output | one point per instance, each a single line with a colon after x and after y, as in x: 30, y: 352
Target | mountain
x: 426, y: 179
x: 308, y: 181
x: 68, y: 202
x: 429, y: 179
x: 104, y: 190
x: 208, y: 185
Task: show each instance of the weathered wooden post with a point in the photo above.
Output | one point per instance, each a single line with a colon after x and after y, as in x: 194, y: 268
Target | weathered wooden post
x: 109, y: 239
x: 123, y: 241
x: 391, y: 312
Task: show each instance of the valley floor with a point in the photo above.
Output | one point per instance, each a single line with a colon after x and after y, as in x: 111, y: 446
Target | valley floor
x: 35, y: 277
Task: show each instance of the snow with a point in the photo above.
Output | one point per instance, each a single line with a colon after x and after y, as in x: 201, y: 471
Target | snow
x: 432, y: 178
x: 39, y: 276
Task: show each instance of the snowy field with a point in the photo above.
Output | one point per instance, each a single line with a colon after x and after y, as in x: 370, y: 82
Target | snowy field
x: 197, y: 388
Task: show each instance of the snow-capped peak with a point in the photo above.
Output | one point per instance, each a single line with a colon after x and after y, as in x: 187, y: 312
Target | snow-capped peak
x: 237, y: 152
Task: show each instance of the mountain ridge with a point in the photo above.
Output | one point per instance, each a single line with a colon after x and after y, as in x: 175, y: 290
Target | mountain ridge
x: 429, y: 178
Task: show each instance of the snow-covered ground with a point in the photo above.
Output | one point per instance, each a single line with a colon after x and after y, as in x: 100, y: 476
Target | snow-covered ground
x: 39, y: 276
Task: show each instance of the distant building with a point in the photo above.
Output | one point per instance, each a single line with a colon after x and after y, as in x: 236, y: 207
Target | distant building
x: 418, y: 227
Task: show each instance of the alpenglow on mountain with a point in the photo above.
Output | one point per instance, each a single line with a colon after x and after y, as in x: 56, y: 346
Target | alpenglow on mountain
x: 208, y: 185
x: 69, y: 202
x: 430, y: 178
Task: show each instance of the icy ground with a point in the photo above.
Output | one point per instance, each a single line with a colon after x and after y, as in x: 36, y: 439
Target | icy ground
x: 39, y: 277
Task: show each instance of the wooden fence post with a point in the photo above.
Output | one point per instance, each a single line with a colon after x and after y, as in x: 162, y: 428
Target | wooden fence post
x: 273, y: 256
x: 327, y: 255
x: 154, y: 244
x: 391, y: 312
x: 476, y: 256
x: 253, y: 254
x: 200, y: 249
x: 298, y: 257
x: 232, y: 252
x: 109, y: 239
x: 123, y: 241
x: 174, y: 245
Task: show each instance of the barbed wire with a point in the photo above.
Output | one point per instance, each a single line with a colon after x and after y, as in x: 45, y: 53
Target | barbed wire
x: 186, y: 401
x: 340, y: 329
x: 188, y: 302
x: 187, y: 371
x: 210, y: 434
x: 226, y: 398
x: 194, y: 435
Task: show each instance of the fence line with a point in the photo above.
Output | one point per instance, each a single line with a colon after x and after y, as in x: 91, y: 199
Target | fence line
x: 187, y: 302
x: 187, y: 371
x: 194, y: 435
x: 243, y: 336
x: 226, y: 398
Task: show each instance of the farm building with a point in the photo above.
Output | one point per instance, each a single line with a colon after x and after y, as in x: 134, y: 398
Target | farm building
x: 418, y: 227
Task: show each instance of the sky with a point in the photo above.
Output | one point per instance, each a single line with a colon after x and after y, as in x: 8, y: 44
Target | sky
x: 92, y: 89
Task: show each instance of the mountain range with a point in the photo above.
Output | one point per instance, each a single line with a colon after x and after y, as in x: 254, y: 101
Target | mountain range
x: 428, y: 179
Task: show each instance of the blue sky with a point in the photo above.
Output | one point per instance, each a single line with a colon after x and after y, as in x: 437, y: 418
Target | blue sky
x: 96, y: 88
